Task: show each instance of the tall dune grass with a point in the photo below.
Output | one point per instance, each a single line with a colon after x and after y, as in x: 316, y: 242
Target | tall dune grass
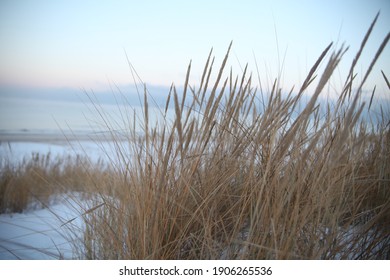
x: 235, y: 175
x: 232, y: 176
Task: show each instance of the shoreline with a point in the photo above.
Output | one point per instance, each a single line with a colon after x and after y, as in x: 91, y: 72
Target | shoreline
x: 58, y: 136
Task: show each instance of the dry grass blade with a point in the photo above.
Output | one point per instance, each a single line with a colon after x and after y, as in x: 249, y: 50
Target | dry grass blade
x: 372, y: 97
x: 384, y: 77
x: 185, y: 86
x: 377, y: 54
x: 178, y: 119
x: 309, y: 77
x: 202, y: 81
x: 221, y: 69
x: 168, y: 100
x: 358, y: 54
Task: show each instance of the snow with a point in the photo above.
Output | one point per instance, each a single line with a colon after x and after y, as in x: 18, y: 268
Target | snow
x: 48, y: 233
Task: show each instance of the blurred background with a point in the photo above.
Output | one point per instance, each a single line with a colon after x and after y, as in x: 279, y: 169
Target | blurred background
x: 52, y: 52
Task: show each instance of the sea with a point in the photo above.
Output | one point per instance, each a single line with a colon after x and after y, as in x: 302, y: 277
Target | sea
x: 68, y: 122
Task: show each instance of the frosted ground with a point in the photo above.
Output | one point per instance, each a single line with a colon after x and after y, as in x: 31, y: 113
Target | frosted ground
x: 42, y: 233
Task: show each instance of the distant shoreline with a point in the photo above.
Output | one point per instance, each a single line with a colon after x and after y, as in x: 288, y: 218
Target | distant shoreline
x: 56, y: 136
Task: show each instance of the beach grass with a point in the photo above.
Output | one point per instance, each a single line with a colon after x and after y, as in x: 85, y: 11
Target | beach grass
x: 237, y: 173
x: 38, y: 177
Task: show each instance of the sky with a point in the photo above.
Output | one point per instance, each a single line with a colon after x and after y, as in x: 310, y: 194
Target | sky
x: 77, y: 45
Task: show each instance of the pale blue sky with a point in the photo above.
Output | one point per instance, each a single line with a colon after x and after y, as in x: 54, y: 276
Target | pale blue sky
x: 80, y: 44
